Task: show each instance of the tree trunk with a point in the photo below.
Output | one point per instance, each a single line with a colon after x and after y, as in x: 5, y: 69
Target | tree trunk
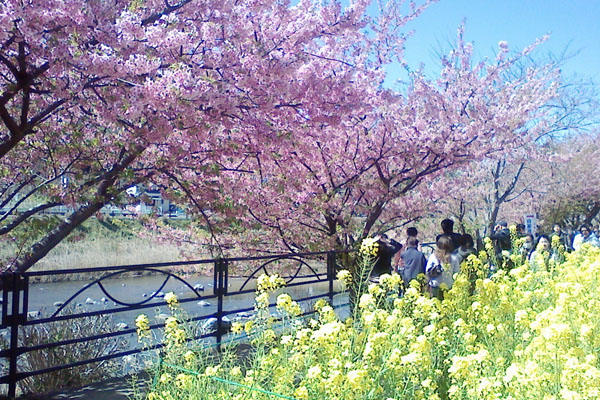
x: 55, y: 236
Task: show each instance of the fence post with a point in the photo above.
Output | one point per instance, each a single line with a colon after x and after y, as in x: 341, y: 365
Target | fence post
x: 220, y: 289
x: 330, y: 273
x: 13, y: 286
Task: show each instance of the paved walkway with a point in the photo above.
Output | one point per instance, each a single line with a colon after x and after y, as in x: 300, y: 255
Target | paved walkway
x: 114, y: 389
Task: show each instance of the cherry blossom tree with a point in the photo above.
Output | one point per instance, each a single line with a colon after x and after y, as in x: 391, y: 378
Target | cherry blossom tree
x: 106, y: 95
x: 493, y: 189
x: 573, y: 198
x: 511, y: 184
x: 336, y: 184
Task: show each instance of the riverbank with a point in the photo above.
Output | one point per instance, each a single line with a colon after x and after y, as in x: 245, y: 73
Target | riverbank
x: 104, y: 243
x: 106, y: 252
x: 121, y: 242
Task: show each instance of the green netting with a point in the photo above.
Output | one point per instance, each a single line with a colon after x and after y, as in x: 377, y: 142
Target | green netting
x: 215, y: 378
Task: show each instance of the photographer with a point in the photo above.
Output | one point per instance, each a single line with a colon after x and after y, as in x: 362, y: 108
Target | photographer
x: 387, y: 249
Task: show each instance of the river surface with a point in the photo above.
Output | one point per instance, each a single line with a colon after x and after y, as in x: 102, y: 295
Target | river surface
x: 43, y: 296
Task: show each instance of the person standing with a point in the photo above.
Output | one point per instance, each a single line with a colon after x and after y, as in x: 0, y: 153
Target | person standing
x: 521, y: 231
x: 527, y: 247
x: 412, y: 232
x: 412, y: 261
x: 585, y: 235
x: 448, y: 230
x: 439, y: 270
x: 538, y: 259
x: 501, y: 238
x: 387, y: 249
x: 563, y: 238
x: 466, y: 247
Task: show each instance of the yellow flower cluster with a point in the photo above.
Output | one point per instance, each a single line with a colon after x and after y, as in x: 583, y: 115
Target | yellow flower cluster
x: 369, y: 247
x: 286, y: 304
x: 175, y: 335
x: 523, y: 334
x: 142, y: 323
x: 189, y: 357
x: 268, y: 284
x: 236, y: 327
x: 183, y: 381
x: 172, y: 300
x: 391, y: 282
x: 489, y: 246
x: 345, y: 277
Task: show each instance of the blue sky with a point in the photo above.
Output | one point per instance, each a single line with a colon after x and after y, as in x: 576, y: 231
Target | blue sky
x: 571, y: 23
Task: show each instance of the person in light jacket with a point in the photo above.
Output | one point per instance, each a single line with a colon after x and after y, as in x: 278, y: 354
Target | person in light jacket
x: 439, y: 269
x: 585, y: 235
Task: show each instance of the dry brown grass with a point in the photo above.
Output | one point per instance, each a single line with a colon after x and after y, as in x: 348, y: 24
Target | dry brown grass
x: 107, y: 252
x: 103, y: 252
x: 117, y: 243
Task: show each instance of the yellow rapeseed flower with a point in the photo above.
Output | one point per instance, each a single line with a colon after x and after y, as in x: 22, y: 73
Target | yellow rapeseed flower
x: 301, y: 393
x: 142, y: 323
x: 345, y: 277
x: 183, y: 381
x: 369, y: 247
x: 172, y: 300
x: 266, y: 283
x: 237, y: 327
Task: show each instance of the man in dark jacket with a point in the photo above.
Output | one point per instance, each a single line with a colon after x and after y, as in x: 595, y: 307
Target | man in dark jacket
x: 387, y: 249
x: 501, y: 238
x: 563, y: 237
x: 412, y: 261
x: 448, y: 230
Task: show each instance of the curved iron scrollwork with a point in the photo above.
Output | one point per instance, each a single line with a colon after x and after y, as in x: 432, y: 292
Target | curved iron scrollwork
x: 301, y: 261
x: 168, y: 275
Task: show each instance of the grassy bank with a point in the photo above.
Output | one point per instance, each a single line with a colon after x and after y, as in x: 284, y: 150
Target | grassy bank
x: 102, y: 243
x: 116, y: 241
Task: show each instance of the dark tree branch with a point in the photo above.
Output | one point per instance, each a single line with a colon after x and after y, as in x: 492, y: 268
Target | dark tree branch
x: 22, y: 217
x: 168, y: 9
x: 104, y: 195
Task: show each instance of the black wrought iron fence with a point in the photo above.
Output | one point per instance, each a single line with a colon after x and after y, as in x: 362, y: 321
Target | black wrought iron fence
x: 312, y: 270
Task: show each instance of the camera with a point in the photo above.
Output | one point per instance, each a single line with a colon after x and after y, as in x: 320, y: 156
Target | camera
x: 436, y: 271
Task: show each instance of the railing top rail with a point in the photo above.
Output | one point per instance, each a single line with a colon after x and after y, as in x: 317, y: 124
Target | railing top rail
x: 136, y: 267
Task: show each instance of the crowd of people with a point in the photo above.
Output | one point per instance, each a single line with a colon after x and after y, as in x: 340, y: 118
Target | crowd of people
x: 410, y: 261
x: 451, y: 248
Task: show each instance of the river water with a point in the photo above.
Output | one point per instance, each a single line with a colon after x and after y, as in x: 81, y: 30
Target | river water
x: 43, y: 296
